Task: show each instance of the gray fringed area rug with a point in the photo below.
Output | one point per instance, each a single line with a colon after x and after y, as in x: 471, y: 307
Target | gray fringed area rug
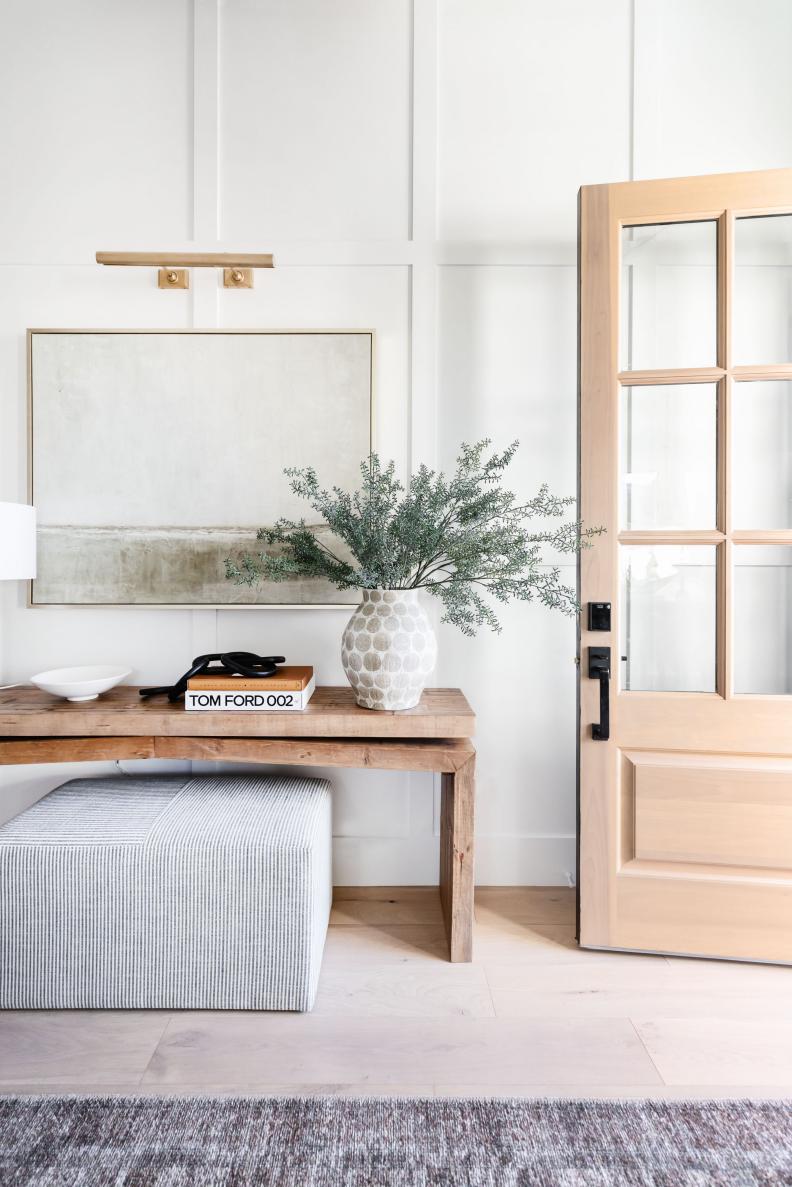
x: 233, y: 1142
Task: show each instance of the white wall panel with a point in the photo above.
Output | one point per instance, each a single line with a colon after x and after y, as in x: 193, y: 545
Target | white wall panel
x: 507, y: 345
x: 713, y: 89
x: 522, y: 685
x: 315, y: 119
x: 133, y: 124
x: 95, y: 126
x: 534, y: 102
x: 507, y: 359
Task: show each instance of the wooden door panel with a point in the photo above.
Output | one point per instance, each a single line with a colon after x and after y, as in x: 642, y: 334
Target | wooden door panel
x: 686, y: 808
x: 739, y: 918
x: 717, y: 812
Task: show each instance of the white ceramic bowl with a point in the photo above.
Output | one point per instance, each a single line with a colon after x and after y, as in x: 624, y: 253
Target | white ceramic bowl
x: 80, y: 684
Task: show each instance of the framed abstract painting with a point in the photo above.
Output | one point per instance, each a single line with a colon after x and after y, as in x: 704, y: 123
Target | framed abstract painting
x: 154, y: 455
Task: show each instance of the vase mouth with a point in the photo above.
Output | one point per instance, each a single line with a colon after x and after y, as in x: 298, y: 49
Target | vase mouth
x: 382, y: 592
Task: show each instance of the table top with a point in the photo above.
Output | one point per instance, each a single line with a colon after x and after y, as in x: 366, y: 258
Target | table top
x: 27, y: 712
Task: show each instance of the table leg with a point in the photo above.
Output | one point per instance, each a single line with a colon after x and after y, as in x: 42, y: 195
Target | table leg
x: 456, y: 858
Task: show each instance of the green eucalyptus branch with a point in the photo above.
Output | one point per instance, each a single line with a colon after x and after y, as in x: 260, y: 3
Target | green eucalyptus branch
x: 463, y: 538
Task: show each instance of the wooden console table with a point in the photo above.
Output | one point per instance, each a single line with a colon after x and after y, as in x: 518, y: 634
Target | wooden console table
x: 333, y: 731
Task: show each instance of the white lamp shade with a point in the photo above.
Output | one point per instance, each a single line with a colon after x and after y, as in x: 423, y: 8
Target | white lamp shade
x: 17, y: 541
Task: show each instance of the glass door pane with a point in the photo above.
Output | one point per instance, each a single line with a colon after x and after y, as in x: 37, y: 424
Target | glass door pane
x: 667, y: 618
x: 668, y: 305
x: 668, y: 456
x: 762, y: 454
x: 762, y: 331
x: 762, y: 580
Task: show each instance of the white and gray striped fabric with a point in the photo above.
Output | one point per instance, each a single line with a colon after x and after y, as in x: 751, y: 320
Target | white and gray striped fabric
x: 170, y: 892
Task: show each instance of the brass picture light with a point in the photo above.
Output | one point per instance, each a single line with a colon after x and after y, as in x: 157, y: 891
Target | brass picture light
x: 174, y: 266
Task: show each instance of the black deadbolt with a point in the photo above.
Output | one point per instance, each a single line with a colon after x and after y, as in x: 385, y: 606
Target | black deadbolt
x: 599, y: 616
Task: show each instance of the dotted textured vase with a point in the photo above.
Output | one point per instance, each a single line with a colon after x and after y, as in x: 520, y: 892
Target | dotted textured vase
x: 388, y: 649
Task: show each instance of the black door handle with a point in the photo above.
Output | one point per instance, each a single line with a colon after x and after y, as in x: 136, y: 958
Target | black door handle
x: 599, y: 669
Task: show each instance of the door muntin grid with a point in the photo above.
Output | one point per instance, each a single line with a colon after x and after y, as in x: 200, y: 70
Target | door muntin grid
x: 693, y: 490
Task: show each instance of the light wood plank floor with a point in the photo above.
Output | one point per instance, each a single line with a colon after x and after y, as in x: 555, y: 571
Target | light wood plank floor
x: 533, y: 1015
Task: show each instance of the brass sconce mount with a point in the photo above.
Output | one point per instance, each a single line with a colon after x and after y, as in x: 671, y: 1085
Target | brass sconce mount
x: 238, y: 278
x: 173, y: 278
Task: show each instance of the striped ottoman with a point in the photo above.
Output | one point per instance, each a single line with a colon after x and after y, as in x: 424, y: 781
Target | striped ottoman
x: 169, y: 891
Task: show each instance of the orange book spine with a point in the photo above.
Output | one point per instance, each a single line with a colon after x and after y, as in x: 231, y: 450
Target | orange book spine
x: 249, y: 683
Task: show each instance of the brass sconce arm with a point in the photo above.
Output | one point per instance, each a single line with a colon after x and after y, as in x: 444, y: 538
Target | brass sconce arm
x: 237, y: 266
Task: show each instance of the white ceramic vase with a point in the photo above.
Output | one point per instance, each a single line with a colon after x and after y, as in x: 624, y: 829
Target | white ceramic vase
x: 388, y: 649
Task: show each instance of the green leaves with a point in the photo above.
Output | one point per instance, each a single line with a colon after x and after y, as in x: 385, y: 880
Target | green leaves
x: 460, y: 538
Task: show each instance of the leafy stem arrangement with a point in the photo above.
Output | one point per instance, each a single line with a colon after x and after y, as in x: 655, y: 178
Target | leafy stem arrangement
x: 460, y: 538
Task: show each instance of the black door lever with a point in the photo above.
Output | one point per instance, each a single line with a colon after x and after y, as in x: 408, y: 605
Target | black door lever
x: 599, y: 669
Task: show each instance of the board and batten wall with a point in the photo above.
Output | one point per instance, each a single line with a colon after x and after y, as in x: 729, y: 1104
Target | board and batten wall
x: 414, y: 167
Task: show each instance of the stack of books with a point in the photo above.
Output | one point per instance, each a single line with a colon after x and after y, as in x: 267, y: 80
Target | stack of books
x: 291, y: 688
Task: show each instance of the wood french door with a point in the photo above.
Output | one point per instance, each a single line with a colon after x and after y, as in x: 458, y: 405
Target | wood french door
x: 685, y: 651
